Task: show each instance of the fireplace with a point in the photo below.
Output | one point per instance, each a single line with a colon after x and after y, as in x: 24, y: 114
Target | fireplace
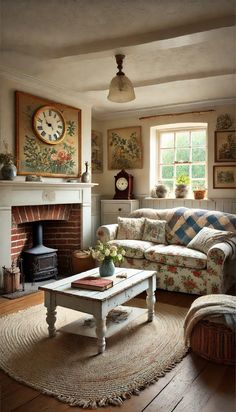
x: 65, y: 209
x: 58, y: 227
x: 39, y: 262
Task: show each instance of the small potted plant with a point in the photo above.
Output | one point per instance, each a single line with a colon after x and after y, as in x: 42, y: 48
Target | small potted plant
x: 199, y: 193
x: 182, y: 183
x: 8, y: 169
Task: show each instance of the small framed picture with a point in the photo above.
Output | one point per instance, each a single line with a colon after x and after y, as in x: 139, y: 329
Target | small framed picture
x: 97, y: 152
x: 224, y: 177
x: 225, y: 146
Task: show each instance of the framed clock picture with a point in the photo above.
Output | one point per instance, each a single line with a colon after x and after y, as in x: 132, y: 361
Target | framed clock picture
x: 48, y: 137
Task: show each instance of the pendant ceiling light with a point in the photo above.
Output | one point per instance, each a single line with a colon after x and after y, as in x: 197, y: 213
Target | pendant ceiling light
x: 121, y: 89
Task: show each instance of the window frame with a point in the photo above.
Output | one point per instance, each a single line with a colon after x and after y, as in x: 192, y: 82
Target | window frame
x: 175, y: 130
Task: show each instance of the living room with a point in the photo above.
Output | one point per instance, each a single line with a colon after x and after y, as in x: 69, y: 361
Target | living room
x: 180, y: 60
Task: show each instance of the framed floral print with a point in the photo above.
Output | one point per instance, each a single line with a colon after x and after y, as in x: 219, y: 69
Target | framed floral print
x: 224, y: 177
x: 125, y: 148
x: 48, y: 137
x: 225, y: 146
x: 97, y: 152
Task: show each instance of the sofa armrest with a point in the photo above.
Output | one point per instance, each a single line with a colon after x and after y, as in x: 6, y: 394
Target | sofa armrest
x: 222, y: 251
x: 107, y: 232
x: 217, y: 257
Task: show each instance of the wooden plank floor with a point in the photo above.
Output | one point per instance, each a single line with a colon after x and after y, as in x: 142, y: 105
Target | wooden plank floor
x: 194, y: 385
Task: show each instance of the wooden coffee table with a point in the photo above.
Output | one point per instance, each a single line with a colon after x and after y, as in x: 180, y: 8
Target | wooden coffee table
x: 97, y: 303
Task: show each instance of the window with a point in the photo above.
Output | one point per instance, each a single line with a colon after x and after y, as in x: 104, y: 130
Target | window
x: 182, y: 152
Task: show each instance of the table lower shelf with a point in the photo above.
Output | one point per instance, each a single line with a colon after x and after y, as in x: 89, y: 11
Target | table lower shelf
x: 85, y: 326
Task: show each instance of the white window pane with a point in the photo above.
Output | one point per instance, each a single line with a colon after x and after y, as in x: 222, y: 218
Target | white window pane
x: 167, y: 139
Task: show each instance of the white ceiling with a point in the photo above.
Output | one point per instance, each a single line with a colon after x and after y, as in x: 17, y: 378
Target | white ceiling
x: 178, y: 52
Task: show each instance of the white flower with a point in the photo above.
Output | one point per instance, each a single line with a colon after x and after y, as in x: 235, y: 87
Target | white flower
x: 113, y: 252
x: 119, y: 256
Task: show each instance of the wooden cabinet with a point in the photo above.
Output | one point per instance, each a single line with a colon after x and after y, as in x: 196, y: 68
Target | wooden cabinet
x: 111, y: 209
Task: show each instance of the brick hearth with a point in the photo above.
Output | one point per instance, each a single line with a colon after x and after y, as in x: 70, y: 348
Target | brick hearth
x: 62, y: 230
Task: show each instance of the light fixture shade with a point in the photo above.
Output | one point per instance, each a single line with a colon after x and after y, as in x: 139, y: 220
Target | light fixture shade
x: 121, y: 89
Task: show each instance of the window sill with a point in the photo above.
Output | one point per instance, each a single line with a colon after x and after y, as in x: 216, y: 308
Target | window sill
x: 176, y: 198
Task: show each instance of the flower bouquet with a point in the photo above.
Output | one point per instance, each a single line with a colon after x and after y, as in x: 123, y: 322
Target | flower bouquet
x: 108, y: 255
x: 104, y: 251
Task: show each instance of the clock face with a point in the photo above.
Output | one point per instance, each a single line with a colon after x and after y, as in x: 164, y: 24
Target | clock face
x: 122, y: 183
x: 49, y: 125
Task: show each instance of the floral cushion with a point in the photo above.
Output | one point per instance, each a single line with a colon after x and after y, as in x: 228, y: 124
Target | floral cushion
x: 133, y: 248
x: 177, y: 256
x: 208, y: 237
x: 130, y: 228
x: 154, y: 231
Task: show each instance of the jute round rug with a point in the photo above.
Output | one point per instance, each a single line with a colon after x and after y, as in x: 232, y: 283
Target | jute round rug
x: 68, y: 367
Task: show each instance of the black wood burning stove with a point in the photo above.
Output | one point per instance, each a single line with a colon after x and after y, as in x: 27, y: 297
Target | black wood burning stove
x: 39, y: 262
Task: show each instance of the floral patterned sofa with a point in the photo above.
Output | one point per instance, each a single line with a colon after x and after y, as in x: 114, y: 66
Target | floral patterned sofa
x: 192, y: 250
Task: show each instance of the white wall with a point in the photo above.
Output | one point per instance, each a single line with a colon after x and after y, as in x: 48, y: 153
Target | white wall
x: 142, y: 176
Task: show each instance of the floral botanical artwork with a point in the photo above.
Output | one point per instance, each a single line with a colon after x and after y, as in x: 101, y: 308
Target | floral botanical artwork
x: 34, y: 156
x: 224, y: 122
x: 224, y: 177
x: 225, y: 146
x: 97, y: 152
x: 125, y: 148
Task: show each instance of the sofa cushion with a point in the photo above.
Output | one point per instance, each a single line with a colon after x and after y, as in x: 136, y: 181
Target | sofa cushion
x: 129, y: 228
x: 154, y: 231
x: 133, y: 248
x: 177, y: 256
x: 208, y: 237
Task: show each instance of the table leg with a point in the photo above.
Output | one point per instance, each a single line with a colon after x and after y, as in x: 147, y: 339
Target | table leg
x: 51, y: 317
x: 151, y: 299
x: 101, y: 333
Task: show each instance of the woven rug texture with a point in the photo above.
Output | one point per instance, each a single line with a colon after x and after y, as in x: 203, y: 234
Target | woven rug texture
x: 68, y: 366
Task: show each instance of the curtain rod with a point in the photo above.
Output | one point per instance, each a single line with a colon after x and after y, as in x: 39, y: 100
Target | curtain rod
x: 174, y: 114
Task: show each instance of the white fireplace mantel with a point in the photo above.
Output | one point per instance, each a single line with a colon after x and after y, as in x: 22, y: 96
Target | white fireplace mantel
x: 19, y: 193
x: 13, y: 193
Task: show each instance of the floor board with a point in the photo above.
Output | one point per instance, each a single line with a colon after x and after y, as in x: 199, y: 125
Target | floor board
x: 194, y: 385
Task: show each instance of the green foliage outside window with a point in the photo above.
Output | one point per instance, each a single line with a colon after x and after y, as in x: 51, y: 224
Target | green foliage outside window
x: 167, y: 172
x: 183, y: 155
x: 198, y: 137
x: 182, y: 139
x: 167, y: 156
x: 198, y: 154
x: 182, y: 170
x: 198, y: 171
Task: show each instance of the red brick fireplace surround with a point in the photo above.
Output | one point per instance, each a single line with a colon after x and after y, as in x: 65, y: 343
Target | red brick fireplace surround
x: 62, y: 230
